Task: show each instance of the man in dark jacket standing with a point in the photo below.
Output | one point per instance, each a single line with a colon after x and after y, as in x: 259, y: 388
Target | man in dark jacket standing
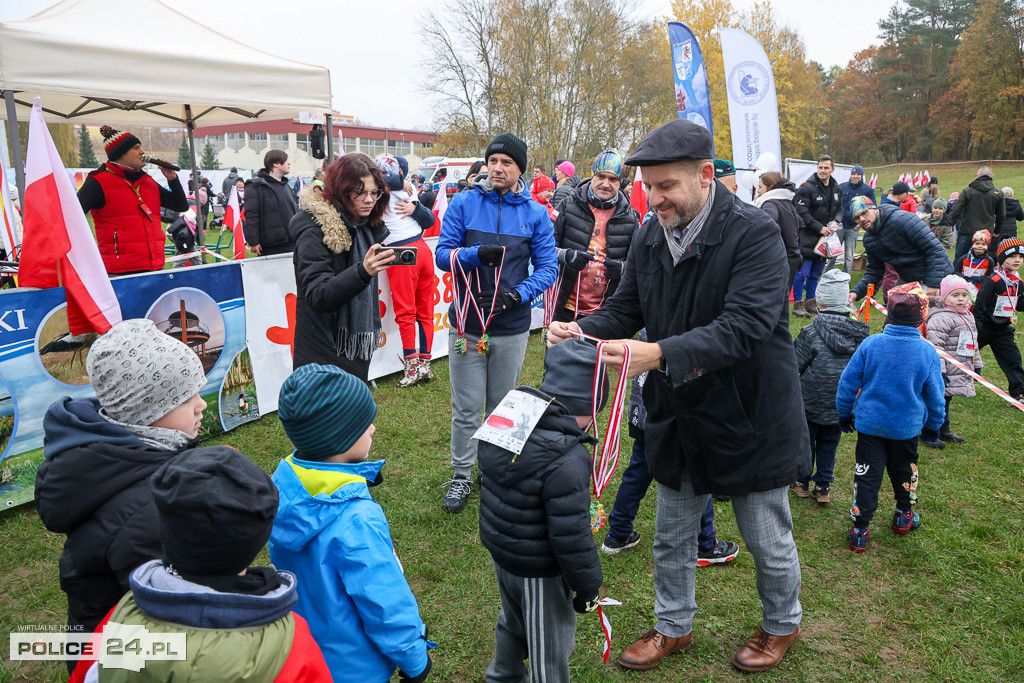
x: 707, y: 275
x: 819, y: 203
x: 901, y: 239
x: 979, y: 207
x: 593, y: 232
x: 269, y: 205
x: 855, y: 187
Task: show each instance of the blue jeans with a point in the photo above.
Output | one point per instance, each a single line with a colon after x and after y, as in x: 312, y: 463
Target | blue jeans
x: 824, y: 442
x: 809, y: 274
x: 635, y: 481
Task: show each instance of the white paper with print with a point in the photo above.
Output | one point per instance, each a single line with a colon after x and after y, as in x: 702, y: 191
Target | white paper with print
x: 974, y: 272
x: 512, y: 421
x: 1005, y: 306
x: 965, y: 344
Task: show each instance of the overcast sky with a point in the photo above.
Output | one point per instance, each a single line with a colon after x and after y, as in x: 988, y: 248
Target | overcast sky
x: 373, y: 50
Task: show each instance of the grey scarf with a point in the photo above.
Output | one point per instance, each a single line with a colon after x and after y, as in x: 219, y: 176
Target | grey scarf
x: 359, y: 328
x: 158, y: 437
x: 680, y: 239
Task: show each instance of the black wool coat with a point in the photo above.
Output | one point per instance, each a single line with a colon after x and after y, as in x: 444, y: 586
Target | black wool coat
x: 728, y: 412
x: 535, y: 507
x: 575, y: 226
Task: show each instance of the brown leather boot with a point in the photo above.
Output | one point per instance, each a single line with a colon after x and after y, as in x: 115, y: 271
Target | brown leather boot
x: 799, y: 310
x: 811, y: 306
x: 648, y: 652
x: 763, y: 650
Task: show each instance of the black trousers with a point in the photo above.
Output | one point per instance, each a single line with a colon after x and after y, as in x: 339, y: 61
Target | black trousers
x: 1004, y: 348
x: 875, y: 456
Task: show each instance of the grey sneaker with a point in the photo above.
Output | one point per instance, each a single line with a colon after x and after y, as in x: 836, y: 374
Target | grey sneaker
x: 613, y: 546
x: 459, y: 489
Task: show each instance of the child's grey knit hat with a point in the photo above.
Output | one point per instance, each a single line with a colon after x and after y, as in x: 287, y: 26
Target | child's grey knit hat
x: 140, y: 374
x: 833, y: 290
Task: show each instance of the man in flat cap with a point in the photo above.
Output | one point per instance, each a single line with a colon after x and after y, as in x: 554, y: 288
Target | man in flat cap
x: 707, y: 276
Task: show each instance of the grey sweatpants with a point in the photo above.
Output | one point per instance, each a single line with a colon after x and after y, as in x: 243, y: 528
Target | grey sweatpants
x: 537, y: 621
x: 848, y: 236
x: 478, y: 383
x: 766, y: 525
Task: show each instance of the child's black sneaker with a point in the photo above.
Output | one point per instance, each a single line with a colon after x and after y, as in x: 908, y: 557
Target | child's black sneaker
x: 905, y: 522
x: 458, y: 491
x: 724, y: 551
x: 822, y: 494
x: 859, y: 539
x: 613, y: 546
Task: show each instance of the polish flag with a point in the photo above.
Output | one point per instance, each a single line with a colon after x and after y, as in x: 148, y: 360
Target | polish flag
x: 926, y: 177
x: 233, y: 222
x: 874, y: 181
x: 58, y: 247
x: 917, y: 179
x: 441, y: 203
x: 638, y: 196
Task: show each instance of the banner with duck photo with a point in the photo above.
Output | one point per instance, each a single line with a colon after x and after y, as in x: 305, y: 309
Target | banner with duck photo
x: 41, y: 361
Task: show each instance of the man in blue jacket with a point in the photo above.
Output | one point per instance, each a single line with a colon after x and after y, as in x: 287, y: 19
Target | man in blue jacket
x: 855, y: 187
x: 495, y: 231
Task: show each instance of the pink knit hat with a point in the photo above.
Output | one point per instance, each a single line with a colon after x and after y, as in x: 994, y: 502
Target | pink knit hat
x: 952, y: 283
x: 568, y: 168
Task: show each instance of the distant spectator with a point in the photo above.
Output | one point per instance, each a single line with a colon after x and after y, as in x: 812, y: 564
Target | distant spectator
x: 1014, y: 213
x: 229, y: 182
x: 566, y: 183
x: 855, y: 187
x: 979, y: 207
x: 269, y: 205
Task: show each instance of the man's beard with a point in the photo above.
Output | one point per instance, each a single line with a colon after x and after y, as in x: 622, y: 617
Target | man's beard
x: 685, y: 213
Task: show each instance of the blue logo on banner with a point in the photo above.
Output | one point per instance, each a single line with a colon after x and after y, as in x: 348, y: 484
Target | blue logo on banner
x: 748, y: 83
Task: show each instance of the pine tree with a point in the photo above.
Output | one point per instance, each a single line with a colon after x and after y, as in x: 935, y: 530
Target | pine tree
x: 86, y: 154
x: 184, y: 158
x: 209, y: 160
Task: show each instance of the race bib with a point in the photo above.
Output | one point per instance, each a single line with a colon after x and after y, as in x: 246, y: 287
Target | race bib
x: 973, y: 272
x: 966, y: 344
x: 512, y: 421
x: 1005, y: 306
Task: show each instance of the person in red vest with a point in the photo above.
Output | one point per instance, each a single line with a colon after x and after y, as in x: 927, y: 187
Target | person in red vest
x: 125, y: 204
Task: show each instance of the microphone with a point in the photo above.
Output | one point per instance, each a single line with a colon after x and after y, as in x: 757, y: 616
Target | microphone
x: 159, y: 162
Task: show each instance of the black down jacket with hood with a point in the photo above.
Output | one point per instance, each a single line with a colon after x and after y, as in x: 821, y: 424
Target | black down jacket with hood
x: 535, y: 507
x: 93, y: 486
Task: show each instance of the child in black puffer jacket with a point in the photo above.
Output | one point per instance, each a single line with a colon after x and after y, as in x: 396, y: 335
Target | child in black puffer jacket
x: 535, y: 521
x: 823, y: 349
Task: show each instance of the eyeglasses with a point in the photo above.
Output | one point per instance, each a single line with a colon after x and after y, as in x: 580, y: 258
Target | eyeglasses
x: 356, y: 196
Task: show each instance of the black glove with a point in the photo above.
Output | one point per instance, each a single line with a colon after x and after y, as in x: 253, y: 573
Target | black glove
x: 929, y: 435
x: 846, y: 424
x: 614, y: 268
x: 583, y: 605
x: 507, y: 298
x: 574, y: 259
x: 402, y: 676
x: 945, y: 379
x: 977, y: 371
x: 490, y: 255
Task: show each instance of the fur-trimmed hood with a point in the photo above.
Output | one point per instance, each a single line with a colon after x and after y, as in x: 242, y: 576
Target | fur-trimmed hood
x: 325, y: 215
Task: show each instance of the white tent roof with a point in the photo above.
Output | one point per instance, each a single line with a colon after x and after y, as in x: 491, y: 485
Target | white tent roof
x: 86, y: 72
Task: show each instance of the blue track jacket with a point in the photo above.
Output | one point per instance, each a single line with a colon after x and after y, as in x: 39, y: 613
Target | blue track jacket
x: 513, y: 220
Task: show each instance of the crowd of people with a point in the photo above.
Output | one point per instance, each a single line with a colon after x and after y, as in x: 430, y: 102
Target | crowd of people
x: 691, y: 302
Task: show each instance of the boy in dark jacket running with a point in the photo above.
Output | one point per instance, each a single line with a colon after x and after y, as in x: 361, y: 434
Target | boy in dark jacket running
x: 535, y: 521
x: 999, y: 297
x: 823, y: 350
x: 100, y: 452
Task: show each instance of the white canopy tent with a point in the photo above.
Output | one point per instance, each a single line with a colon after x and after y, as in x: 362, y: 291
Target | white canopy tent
x: 68, y: 55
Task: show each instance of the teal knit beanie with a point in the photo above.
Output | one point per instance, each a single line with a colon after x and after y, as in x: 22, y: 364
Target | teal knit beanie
x: 324, y: 410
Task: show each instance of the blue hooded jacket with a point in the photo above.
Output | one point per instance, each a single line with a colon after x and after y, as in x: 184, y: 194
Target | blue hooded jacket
x: 332, y: 534
x: 482, y: 216
x: 850, y: 190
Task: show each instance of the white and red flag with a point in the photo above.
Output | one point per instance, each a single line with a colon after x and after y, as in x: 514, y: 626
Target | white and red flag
x: 917, y: 179
x: 638, y: 196
x: 58, y: 248
x: 926, y: 177
x: 441, y: 203
x: 874, y: 181
x: 233, y: 222
x: 11, y: 239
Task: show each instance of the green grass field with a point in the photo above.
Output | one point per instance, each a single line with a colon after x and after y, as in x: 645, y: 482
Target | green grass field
x: 953, y: 177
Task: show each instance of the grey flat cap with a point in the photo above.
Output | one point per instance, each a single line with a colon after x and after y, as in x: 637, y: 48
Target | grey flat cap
x: 673, y: 141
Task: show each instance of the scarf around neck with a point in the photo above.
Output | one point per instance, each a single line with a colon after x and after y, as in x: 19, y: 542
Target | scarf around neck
x: 158, y: 437
x: 359, y: 327
x: 678, y: 246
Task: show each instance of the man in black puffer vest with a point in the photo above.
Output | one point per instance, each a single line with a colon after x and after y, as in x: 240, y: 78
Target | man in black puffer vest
x: 269, y: 206
x: 899, y: 238
x: 593, y: 231
x: 535, y: 521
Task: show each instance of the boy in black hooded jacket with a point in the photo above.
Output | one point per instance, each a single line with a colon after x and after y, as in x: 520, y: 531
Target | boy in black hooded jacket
x: 535, y: 521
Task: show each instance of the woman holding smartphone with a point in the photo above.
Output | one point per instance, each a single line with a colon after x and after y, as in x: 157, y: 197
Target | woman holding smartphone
x: 338, y: 233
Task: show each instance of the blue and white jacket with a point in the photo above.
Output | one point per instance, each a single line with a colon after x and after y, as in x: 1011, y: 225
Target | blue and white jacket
x: 482, y: 216
x: 332, y: 534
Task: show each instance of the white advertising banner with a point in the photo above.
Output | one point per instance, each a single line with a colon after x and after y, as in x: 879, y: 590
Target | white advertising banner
x: 799, y: 170
x: 753, y: 110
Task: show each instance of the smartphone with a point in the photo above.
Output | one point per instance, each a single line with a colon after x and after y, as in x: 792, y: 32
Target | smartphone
x: 404, y: 256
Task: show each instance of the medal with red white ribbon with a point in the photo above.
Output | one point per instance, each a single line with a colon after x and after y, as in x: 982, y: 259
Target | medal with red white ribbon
x: 460, y: 305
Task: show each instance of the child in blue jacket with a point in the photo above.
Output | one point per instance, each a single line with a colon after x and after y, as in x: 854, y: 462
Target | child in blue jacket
x: 899, y: 379
x: 333, y: 536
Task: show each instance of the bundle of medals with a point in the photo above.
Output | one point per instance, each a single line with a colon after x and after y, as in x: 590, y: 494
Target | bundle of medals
x: 463, y: 302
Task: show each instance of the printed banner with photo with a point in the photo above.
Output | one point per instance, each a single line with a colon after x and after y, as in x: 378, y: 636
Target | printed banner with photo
x: 40, y: 361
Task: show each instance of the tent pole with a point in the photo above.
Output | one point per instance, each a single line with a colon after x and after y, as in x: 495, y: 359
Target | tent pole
x: 15, y: 140
x: 330, y: 139
x: 201, y: 232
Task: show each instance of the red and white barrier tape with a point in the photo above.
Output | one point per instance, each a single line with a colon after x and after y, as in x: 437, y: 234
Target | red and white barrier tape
x: 970, y: 371
x: 194, y: 254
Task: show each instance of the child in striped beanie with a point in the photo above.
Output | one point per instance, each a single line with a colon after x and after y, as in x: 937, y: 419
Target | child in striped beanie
x: 332, y: 534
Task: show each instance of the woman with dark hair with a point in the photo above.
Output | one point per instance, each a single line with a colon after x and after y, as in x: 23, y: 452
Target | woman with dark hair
x: 775, y: 197
x: 338, y: 233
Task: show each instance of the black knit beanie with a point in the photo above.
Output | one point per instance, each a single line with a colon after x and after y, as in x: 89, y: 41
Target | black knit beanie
x: 116, y: 143
x: 510, y: 144
x: 216, y: 510
x: 569, y: 376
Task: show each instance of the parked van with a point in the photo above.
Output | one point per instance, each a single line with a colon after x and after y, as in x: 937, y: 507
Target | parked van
x: 450, y: 170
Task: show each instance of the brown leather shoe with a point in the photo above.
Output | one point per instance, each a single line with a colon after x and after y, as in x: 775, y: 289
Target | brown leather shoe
x: 763, y: 650
x: 648, y: 652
